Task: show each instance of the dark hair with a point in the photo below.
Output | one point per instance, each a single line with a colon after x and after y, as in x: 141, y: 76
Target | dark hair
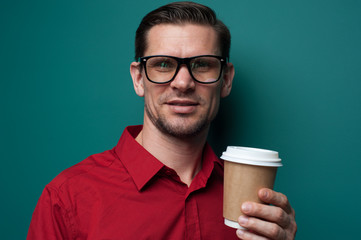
x: 181, y: 13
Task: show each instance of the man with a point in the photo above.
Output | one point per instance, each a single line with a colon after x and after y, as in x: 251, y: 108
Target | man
x: 162, y: 180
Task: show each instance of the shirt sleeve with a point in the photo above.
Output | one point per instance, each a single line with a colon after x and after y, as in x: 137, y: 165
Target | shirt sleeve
x: 50, y: 220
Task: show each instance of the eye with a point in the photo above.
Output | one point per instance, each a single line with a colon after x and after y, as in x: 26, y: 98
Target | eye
x: 204, y: 64
x: 161, y: 64
x: 200, y: 64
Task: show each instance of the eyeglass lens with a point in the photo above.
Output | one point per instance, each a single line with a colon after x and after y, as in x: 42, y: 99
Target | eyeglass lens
x: 204, y: 69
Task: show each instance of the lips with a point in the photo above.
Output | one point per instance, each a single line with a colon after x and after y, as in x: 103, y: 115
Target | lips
x: 182, y: 106
x: 182, y: 103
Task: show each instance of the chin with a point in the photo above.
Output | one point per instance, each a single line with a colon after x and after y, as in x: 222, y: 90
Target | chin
x: 182, y: 130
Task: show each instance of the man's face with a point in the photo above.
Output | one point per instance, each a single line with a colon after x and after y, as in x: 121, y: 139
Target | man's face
x: 183, y: 107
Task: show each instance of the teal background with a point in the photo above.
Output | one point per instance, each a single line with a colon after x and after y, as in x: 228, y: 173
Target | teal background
x: 66, y: 93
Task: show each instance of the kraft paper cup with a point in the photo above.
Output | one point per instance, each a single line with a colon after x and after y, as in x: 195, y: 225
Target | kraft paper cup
x: 246, y: 170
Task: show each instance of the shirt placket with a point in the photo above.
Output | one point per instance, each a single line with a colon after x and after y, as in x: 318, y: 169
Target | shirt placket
x: 193, y: 231
x: 192, y: 223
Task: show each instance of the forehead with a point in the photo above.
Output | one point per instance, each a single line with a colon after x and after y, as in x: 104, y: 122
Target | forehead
x: 182, y: 40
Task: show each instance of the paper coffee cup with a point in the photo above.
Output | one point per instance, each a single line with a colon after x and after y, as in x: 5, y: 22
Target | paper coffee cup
x: 246, y: 170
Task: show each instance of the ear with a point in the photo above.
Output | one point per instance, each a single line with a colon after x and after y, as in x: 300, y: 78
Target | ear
x: 227, y: 80
x: 137, y: 77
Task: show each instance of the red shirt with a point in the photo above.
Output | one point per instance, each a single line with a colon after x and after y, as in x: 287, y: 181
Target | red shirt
x: 126, y: 193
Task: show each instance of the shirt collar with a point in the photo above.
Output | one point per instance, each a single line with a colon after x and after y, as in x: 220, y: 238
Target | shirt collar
x: 140, y: 164
x: 143, y: 166
x: 210, y: 164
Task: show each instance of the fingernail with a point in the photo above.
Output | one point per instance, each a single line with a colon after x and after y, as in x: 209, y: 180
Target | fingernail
x: 243, y: 220
x: 240, y: 233
x: 246, y: 207
x: 265, y: 194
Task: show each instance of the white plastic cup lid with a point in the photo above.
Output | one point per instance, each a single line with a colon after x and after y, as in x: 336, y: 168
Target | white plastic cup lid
x: 233, y: 224
x: 252, y: 156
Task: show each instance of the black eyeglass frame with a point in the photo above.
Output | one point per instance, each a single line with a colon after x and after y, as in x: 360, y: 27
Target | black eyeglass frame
x: 181, y: 61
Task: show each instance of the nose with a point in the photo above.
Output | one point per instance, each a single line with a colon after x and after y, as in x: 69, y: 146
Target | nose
x: 183, y: 81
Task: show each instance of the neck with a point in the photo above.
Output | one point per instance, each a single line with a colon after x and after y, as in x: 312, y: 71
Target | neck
x: 182, y: 155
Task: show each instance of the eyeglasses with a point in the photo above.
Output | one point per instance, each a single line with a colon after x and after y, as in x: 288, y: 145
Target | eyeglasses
x: 163, y: 69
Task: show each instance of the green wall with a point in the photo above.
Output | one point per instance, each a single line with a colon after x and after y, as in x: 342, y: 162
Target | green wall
x: 66, y: 93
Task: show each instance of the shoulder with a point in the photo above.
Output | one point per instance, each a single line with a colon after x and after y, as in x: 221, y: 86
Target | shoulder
x: 91, y: 166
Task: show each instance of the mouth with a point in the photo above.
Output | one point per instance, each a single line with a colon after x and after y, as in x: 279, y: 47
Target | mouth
x: 182, y: 103
x: 182, y: 106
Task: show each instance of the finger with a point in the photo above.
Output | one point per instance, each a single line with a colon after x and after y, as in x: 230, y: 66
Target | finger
x: 261, y: 228
x: 266, y: 212
x: 275, y: 198
x: 246, y: 235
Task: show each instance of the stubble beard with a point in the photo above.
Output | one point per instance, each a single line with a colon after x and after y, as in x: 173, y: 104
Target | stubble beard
x: 181, y: 129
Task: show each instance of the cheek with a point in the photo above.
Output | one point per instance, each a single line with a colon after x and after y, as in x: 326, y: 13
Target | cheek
x: 148, y: 100
x: 215, y: 107
x: 213, y: 101
x: 151, y: 97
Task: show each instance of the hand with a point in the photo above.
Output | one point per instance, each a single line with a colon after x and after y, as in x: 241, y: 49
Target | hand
x: 267, y: 221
